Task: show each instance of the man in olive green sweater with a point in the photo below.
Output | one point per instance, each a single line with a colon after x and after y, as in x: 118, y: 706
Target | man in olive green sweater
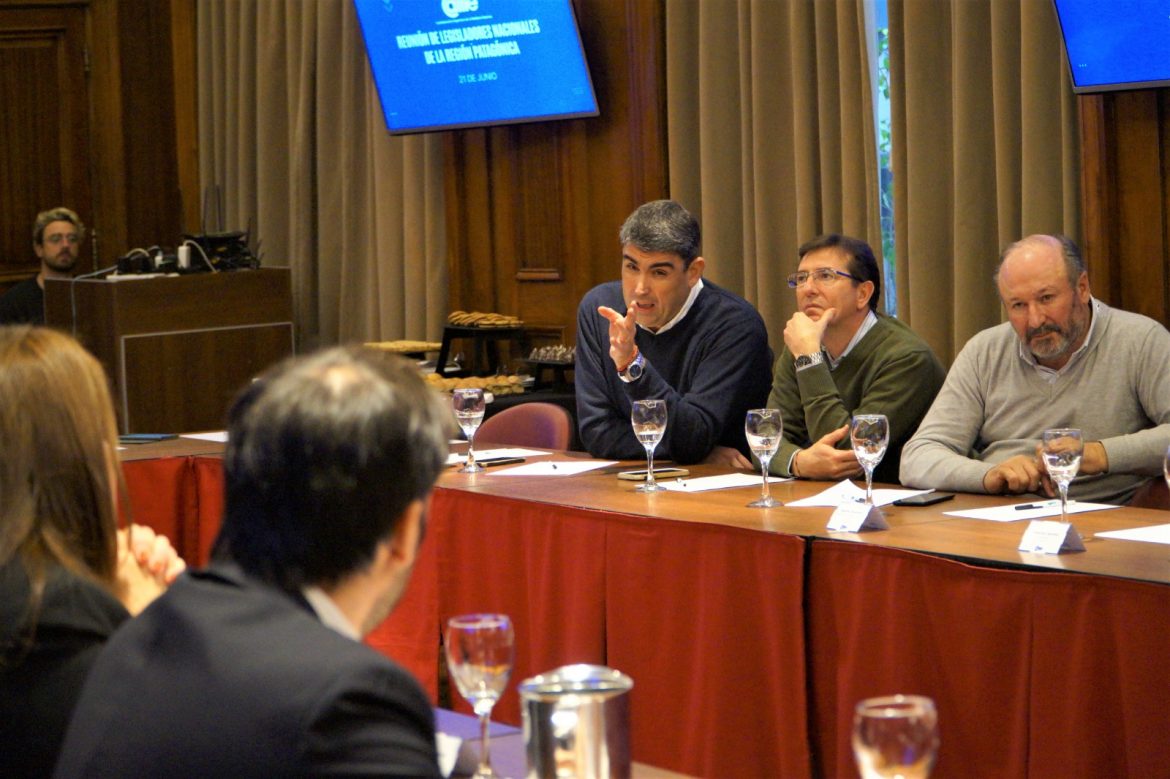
x: 842, y: 358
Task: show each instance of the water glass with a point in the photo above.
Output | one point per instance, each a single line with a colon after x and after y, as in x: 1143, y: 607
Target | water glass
x: 649, y: 420
x: 763, y: 428
x: 895, y: 737
x: 1062, y: 448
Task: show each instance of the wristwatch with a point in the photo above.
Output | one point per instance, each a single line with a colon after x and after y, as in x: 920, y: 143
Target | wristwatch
x: 809, y: 360
x: 634, y: 370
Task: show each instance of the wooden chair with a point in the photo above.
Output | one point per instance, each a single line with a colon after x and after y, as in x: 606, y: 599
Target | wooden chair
x: 543, y: 425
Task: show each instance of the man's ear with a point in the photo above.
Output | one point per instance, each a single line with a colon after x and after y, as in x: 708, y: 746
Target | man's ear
x: 695, y: 270
x: 403, y: 543
x: 862, y: 297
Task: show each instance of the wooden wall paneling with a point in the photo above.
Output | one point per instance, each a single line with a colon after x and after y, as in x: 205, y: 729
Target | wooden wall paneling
x: 44, y: 123
x: 186, y: 104
x: 1142, y: 255
x: 153, y: 204
x: 1098, y: 242
x: 541, y: 227
x: 108, y: 161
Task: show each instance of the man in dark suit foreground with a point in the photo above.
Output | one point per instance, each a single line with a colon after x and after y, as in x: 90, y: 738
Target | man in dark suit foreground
x: 253, y: 666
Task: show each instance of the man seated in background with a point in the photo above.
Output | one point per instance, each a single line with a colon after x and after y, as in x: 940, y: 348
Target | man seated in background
x: 664, y: 332
x: 254, y: 667
x: 1063, y: 359
x: 57, y: 237
x: 842, y: 358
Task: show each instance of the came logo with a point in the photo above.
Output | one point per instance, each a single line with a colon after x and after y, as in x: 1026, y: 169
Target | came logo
x: 452, y: 8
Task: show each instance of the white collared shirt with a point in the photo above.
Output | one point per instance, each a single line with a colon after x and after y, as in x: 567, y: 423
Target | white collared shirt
x: 695, y: 290
x: 328, y: 612
x: 1050, y: 375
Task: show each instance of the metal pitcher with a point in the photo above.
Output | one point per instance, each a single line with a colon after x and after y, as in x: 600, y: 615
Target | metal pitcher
x: 577, y: 722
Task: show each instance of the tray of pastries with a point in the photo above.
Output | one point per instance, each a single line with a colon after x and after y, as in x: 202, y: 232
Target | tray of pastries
x: 405, y: 347
x: 500, y: 384
x: 481, y: 320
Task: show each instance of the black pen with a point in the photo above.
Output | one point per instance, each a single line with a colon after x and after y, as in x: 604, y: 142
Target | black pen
x: 1044, y: 505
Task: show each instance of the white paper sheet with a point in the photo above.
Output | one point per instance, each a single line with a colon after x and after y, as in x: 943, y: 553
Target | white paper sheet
x: 1043, y: 508
x: 846, y: 491
x: 484, y: 454
x: 1155, y: 534
x: 218, y: 436
x: 721, y: 482
x: 562, y: 468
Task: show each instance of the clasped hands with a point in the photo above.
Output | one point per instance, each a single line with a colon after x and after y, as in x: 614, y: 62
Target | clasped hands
x: 147, y: 565
x: 1027, y: 473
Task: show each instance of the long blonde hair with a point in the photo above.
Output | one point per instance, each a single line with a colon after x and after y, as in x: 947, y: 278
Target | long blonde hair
x: 57, y: 440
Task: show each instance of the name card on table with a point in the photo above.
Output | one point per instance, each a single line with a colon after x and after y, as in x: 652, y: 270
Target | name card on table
x: 853, y: 517
x: 1050, y: 537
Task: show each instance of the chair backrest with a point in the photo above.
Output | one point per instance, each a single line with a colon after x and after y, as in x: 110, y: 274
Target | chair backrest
x: 544, y: 425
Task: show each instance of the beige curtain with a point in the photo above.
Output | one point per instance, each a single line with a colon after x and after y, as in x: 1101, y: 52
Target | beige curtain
x: 771, y: 135
x: 985, y: 151
x: 291, y: 133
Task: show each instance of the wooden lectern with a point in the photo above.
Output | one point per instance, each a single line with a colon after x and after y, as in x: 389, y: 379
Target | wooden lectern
x: 177, y: 348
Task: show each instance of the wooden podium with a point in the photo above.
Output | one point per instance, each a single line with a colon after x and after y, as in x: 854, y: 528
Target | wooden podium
x: 177, y: 348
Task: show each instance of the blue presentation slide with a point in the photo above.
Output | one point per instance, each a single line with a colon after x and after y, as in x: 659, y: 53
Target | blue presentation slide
x: 451, y: 63
x: 1118, y: 43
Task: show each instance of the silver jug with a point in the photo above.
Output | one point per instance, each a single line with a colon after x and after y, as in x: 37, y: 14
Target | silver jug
x: 577, y: 723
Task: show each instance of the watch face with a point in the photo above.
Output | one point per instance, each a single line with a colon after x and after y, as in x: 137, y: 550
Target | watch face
x: 635, y: 370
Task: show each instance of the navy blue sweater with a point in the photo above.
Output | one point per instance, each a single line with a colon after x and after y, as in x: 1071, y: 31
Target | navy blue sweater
x: 711, y: 367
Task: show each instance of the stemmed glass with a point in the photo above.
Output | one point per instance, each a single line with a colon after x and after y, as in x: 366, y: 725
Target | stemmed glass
x: 1062, y: 448
x: 763, y: 427
x: 1166, y: 467
x: 649, y: 420
x: 480, y: 648
x: 870, y: 434
x: 895, y: 736
x: 468, y: 404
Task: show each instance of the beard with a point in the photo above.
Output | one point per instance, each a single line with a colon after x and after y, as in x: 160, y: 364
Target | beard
x: 62, y: 262
x: 1062, y: 345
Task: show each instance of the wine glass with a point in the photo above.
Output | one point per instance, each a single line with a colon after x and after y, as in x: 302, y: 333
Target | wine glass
x: 763, y: 427
x: 480, y: 648
x: 649, y: 420
x: 1166, y: 467
x: 895, y: 736
x: 468, y: 404
x: 1062, y: 448
x: 870, y: 434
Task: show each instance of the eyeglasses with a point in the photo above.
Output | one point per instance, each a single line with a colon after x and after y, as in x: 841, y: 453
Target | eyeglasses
x: 56, y: 238
x: 820, y: 276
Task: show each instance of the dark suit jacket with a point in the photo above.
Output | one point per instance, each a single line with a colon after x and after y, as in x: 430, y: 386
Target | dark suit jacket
x: 40, y: 682
x: 226, y: 676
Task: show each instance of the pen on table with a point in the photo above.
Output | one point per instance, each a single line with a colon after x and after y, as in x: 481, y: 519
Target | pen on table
x: 1044, y: 505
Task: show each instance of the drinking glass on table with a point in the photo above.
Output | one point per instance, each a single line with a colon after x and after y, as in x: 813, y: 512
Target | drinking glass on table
x: 649, y: 420
x: 1062, y: 448
x: 480, y: 650
x: 870, y: 434
x: 1166, y: 467
x: 763, y: 427
x: 895, y: 737
x: 469, y: 405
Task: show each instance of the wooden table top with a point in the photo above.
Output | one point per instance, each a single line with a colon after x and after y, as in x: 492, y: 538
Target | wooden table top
x: 925, y: 529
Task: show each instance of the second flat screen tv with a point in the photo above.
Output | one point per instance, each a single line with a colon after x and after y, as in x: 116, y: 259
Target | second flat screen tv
x: 1116, y: 44
x: 446, y: 64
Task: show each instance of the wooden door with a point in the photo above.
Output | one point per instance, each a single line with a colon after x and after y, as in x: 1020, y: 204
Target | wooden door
x: 44, y: 127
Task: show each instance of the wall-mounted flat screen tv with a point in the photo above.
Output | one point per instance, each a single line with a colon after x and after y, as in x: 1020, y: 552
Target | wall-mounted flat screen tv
x: 446, y: 64
x: 1116, y: 44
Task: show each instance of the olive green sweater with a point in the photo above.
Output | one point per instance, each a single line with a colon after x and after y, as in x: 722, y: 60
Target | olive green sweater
x: 890, y: 371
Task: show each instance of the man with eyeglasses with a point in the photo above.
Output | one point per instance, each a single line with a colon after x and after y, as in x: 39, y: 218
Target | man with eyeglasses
x: 57, y: 237
x: 663, y: 331
x: 841, y: 357
x: 1063, y: 359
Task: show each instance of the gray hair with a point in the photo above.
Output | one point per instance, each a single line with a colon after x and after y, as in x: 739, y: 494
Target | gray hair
x: 662, y: 226
x: 1074, y: 264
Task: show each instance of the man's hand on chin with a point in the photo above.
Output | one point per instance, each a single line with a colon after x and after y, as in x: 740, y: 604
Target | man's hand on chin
x: 803, y: 333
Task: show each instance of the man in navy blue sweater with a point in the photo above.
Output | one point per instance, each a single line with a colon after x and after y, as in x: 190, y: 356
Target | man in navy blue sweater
x: 664, y: 332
